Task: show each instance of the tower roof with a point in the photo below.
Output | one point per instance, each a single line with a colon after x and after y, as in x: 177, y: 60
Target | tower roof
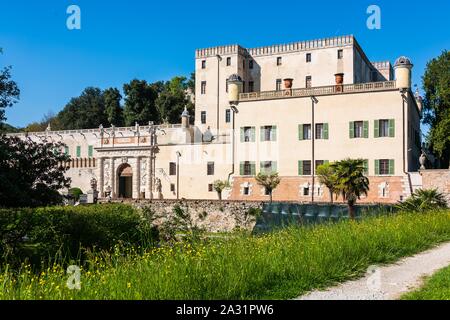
x: 403, y: 61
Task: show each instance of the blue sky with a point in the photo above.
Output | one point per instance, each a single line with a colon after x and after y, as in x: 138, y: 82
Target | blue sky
x: 156, y: 40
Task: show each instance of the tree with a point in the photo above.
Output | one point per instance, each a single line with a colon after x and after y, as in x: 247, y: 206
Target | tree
x: 327, y: 176
x: 114, y: 111
x: 268, y: 181
x: 140, y: 103
x: 84, y: 112
x: 173, y: 99
x: 436, y: 84
x: 351, y: 181
x: 9, y: 91
x: 423, y: 200
x: 219, y: 186
x: 30, y: 172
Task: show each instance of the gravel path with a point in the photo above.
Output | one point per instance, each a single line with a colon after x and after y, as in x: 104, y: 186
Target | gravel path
x: 388, y: 282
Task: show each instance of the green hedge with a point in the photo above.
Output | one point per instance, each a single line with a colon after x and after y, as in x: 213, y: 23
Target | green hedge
x: 69, y: 232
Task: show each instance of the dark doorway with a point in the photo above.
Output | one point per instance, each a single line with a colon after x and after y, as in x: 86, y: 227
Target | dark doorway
x: 125, y: 174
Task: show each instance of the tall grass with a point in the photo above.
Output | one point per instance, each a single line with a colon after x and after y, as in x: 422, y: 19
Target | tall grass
x: 279, y: 265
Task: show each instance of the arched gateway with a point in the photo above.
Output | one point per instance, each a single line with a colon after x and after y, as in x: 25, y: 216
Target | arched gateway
x: 125, y: 179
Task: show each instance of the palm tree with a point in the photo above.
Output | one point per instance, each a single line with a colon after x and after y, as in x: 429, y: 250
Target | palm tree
x: 422, y: 200
x: 270, y: 181
x: 219, y: 186
x: 327, y: 176
x: 351, y: 181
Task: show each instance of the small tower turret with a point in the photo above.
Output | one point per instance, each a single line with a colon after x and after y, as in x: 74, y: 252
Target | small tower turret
x: 234, y: 88
x: 185, y: 118
x: 402, y: 69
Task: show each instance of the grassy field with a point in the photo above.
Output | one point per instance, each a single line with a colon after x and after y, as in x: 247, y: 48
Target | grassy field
x: 436, y: 287
x: 279, y: 265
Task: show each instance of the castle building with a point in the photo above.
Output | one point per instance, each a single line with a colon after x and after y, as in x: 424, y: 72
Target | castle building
x: 282, y: 108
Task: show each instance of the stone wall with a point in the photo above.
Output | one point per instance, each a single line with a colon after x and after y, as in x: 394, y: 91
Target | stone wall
x: 221, y: 216
x: 437, y: 178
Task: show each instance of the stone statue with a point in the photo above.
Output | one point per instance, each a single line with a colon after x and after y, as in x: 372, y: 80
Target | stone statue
x: 158, y: 186
x: 422, y: 160
x: 94, y: 184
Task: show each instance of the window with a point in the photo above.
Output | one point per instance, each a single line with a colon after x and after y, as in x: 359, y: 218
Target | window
x: 210, y: 169
x: 308, y: 57
x: 66, y: 150
x: 268, y: 167
x: 243, y: 86
x: 78, y: 151
x: 247, y: 134
x: 304, y: 167
x: 247, y: 168
x: 229, y: 61
x: 279, y: 61
x: 359, y: 129
x: 172, y: 187
x: 210, y: 187
x: 203, y: 117
x: 172, y: 169
x: 266, y: 192
x: 321, y: 131
x: 251, y: 86
x: 268, y: 133
x: 278, y: 85
x: 90, y: 151
x: 340, y: 54
x: 306, y: 191
x: 384, y: 167
x: 304, y: 132
x: 246, y: 191
x: 243, y: 64
x: 227, y: 115
x: 226, y: 85
x: 384, y: 128
x: 203, y: 64
x: 320, y: 162
x: 203, y: 87
x: 308, y: 81
x: 250, y: 64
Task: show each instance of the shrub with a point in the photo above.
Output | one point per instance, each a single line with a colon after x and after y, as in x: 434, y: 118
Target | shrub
x: 423, y: 200
x: 69, y: 232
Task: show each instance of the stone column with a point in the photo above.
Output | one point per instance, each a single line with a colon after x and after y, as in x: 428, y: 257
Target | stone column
x: 113, y: 178
x: 137, y: 180
x: 101, y: 178
x: 149, y: 187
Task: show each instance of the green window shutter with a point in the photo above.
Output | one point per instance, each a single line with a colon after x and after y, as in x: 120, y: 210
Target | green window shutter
x: 241, y: 168
x: 91, y: 151
x: 300, y: 167
x: 253, y: 168
x: 262, y: 132
x: 66, y: 150
x: 325, y: 130
x: 274, y: 133
x: 376, y: 128
x: 351, y: 129
x: 242, y: 135
x: 252, y: 135
x: 274, y: 166
x: 262, y: 169
x: 391, y: 167
x: 391, y: 128
x: 377, y: 167
x: 300, y: 132
x: 366, y: 129
x: 366, y: 166
x: 78, y: 151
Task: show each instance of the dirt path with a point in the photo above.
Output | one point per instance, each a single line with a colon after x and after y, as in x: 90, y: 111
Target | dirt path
x: 390, y: 281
